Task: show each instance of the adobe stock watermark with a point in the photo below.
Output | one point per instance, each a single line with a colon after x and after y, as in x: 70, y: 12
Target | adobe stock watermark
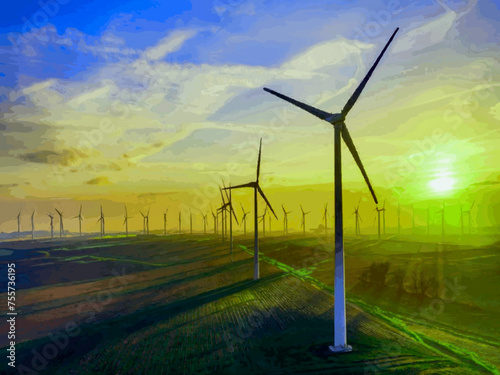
x: 61, y: 340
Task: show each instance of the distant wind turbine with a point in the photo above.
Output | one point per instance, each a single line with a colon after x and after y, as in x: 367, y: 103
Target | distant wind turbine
x: 204, y: 223
x: 80, y: 218
x: 101, y: 220
x: 18, y: 217
x: 340, y: 130
x: 441, y: 211
x: 214, y: 216
x: 466, y: 213
x: 165, y: 222
x: 180, y: 223
x: 263, y: 221
x: 325, y: 219
x: 229, y: 207
x: 125, y: 221
x: 61, y: 225
x: 303, y: 220
x: 51, y: 225
x: 244, y: 220
x: 33, y: 225
x: 357, y: 219
x: 379, y: 210
x: 257, y: 190
x: 285, y: 219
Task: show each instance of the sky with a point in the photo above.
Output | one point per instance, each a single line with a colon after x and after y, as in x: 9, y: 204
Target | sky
x: 153, y: 103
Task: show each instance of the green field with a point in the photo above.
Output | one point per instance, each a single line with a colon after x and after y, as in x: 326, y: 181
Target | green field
x: 184, y: 304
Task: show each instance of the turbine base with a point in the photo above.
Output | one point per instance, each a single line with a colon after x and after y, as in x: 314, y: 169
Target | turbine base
x: 340, y: 349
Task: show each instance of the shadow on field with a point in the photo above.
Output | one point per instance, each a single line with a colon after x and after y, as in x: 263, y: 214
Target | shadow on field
x: 118, y: 328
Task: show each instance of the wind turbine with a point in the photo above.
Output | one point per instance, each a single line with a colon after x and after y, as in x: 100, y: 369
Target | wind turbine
x: 18, y: 217
x: 379, y: 210
x: 257, y: 190
x: 244, y: 220
x: 165, y: 222
x: 204, y: 223
x: 222, y: 210
x: 143, y: 222
x: 125, y: 221
x: 303, y: 220
x: 325, y: 219
x: 229, y: 207
x: 101, y: 219
x: 214, y: 216
x: 51, y: 225
x: 285, y: 219
x: 61, y: 225
x: 33, y: 225
x: 357, y: 219
x: 180, y: 223
x: 80, y: 218
x: 147, y: 221
x: 263, y: 221
x: 340, y: 130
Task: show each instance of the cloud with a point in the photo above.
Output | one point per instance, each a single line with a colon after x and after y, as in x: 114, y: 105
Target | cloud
x: 64, y: 157
x: 169, y: 44
x: 98, y: 181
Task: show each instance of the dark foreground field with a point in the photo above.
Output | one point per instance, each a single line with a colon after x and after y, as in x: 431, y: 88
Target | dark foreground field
x: 184, y: 305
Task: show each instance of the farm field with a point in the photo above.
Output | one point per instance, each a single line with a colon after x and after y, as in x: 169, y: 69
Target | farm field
x: 184, y: 304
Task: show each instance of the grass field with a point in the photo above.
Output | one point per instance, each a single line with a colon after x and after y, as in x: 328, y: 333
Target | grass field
x: 184, y: 304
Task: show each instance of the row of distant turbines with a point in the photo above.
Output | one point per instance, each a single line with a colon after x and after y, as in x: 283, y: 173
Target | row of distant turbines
x: 380, y: 219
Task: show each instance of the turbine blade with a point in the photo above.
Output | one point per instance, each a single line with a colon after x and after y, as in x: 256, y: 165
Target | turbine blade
x: 258, y: 161
x: 249, y: 185
x: 234, y: 214
x: 350, y: 145
x: 352, y: 100
x: 267, y: 202
x: 314, y: 111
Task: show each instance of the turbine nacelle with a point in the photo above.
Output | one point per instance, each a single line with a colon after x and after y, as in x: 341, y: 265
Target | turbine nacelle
x: 336, y: 119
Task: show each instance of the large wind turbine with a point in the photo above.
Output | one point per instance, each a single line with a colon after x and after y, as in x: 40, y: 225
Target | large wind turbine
x: 51, y: 225
x: 303, y: 220
x: 340, y: 130
x: 145, y: 221
x: 257, y: 190
x: 285, y: 219
x: 80, y: 218
x: 337, y: 120
x: 61, y: 225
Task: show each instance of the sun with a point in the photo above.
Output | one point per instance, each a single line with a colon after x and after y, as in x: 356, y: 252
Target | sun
x: 442, y: 184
